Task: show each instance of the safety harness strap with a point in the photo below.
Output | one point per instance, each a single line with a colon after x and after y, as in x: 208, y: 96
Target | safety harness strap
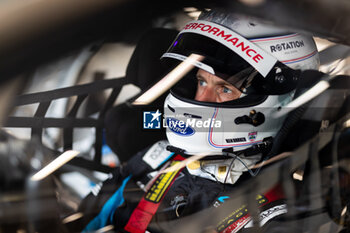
x: 148, y: 206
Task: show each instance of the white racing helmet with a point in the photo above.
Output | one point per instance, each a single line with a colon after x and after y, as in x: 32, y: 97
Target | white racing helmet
x: 261, y: 60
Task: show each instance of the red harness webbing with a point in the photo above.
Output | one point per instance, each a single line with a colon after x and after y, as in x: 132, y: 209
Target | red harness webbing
x: 148, y: 205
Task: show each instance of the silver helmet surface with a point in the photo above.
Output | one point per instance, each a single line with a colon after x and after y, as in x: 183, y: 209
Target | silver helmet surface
x: 262, y: 61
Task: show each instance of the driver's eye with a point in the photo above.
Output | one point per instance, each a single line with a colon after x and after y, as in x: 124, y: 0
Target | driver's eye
x: 226, y: 90
x: 202, y: 83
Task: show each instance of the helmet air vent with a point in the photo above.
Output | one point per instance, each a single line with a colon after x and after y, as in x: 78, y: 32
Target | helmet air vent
x: 254, y: 118
x: 171, y: 108
x: 192, y: 116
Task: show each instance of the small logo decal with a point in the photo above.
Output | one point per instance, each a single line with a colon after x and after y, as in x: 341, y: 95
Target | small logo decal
x: 234, y: 140
x: 222, y: 198
x: 160, y: 185
x: 286, y: 46
x: 151, y: 120
x: 252, y: 136
x: 179, y: 127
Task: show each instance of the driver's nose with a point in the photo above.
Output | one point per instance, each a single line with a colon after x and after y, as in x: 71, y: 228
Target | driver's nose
x: 207, y: 94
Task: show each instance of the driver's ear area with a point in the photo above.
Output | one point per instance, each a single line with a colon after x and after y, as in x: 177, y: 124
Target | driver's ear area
x: 124, y: 123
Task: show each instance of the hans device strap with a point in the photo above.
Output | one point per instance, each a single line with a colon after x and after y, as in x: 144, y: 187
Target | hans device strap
x: 148, y: 206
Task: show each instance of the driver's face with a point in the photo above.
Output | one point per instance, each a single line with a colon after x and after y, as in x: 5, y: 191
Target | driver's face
x: 211, y: 88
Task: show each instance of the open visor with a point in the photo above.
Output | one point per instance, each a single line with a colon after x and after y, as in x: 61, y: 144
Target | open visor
x: 233, y: 58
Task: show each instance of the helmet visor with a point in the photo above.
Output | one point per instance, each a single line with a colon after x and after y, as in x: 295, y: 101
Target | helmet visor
x: 220, y: 60
x: 231, y: 57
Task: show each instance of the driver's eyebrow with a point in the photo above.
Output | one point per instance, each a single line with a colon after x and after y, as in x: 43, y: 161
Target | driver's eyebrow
x: 217, y: 82
x: 223, y: 83
x: 198, y: 76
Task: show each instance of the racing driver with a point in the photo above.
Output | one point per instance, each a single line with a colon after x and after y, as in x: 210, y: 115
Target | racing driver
x: 220, y: 111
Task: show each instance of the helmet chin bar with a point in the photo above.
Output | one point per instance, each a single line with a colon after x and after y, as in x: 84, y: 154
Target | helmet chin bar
x: 213, y: 137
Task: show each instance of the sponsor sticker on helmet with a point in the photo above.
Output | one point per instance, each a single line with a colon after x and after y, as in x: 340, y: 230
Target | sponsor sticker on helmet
x: 253, y: 54
x: 252, y: 136
x: 294, y: 50
x: 234, y: 140
x: 286, y: 46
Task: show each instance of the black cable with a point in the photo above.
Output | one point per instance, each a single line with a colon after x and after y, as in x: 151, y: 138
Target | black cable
x: 289, y: 123
x: 229, y: 169
x: 211, y: 174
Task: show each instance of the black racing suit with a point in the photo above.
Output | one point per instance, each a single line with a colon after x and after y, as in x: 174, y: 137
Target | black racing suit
x: 187, y: 195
